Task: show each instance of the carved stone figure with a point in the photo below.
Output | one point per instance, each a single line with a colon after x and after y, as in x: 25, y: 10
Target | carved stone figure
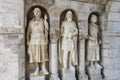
x: 69, y: 34
x: 93, y: 47
x: 37, y: 41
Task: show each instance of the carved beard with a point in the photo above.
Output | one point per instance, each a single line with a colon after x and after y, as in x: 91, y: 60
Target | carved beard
x: 69, y: 18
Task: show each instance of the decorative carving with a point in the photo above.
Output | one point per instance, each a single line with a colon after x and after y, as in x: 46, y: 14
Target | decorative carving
x: 54, y: 34
x: 37, y: 41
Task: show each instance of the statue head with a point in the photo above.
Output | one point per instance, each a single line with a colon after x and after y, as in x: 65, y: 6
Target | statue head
x: 37, y: 12
x: 69, y: 15
x: 93, y: 18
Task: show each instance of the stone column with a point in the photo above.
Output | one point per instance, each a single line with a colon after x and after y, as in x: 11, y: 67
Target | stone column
x: 53, y: 66
x: 82, y: 74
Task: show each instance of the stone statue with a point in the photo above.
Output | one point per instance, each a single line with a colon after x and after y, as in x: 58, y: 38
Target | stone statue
x: 93, y: 47
x: 37, y: 41
x: 69, y: 33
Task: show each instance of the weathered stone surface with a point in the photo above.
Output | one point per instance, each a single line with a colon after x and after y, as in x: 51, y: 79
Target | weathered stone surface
x: 113, y: 16
x: 114, y: 26
x: 94, y: 73
x: 37, y: 78
x: 11, y: 27
x: 68, y: 76
x: 12, y: 39
x: 93, y: 1
x: 112, y: 74
x: 115, y: 6
x: 12, y: 22
x: 9, y: 56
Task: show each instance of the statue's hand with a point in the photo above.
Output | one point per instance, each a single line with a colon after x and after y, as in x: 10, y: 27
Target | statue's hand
x: 28, y: 43
x: 100, y: 42
x: 45, y: 17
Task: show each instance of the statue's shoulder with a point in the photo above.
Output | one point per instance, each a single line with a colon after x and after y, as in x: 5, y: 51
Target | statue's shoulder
x: 31, y: 21
x: 73, y: 22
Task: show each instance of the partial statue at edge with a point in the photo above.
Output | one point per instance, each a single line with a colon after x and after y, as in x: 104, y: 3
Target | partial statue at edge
x: 37, y: 41
x: 68, y: 37
x: 93, y: 44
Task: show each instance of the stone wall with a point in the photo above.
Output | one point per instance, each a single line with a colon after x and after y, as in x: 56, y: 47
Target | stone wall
x: 111, y: 57
x: 11, y: 39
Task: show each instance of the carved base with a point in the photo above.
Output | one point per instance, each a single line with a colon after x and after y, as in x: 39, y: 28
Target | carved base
x: 54, y: 77
x: 69, y: 75
x: 83, y: 77
x: 38, y: 77
x: 94, y: 73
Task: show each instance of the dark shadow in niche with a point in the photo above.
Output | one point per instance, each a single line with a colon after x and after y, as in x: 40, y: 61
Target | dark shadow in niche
x: 62, y: 18
x: 100, y: 30
x: 30, y: 67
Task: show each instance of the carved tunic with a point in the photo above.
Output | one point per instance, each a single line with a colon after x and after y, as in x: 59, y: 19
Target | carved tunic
x: 38, y: 33
x: 69, y: 32
x: 38, y: 42
x: 93, y: 45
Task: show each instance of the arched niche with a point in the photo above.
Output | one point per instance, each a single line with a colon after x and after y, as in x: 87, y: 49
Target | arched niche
x: 93, y: 45
x: 98, y: 14
x: 62, y: 18
x: 30, y: 67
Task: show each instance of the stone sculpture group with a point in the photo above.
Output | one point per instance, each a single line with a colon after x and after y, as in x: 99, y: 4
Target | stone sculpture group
x: 38, y: 42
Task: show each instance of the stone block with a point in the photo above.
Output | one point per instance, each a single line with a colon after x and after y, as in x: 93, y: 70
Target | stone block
x: 54, y: 77
x: 37, y: 77
x: 114, y: 42
x: 111, y: 63
x: 83, y: 77
x: 112, y: 53
x: 114, y: 26
x: 113, y: 16
x: 94, y: 73
x: 111, y: 74
x: 68, y: 75
x: 115, y: 7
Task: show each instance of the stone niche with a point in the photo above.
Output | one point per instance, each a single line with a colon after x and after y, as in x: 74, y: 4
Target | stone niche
x: 30, y: 16
x: 56, y: 12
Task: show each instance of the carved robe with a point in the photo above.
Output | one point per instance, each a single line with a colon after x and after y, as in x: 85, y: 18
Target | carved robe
x: 69, y: 40
x: 93, y: 43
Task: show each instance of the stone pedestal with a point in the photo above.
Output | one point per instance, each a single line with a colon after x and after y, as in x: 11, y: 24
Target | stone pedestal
x: 83, y: 77
x: 82, y: 74
x: 94, y: 73
x: 54, y: 77
x: 69, y: 75
x: 32, y: 77
x: 53, y: 62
